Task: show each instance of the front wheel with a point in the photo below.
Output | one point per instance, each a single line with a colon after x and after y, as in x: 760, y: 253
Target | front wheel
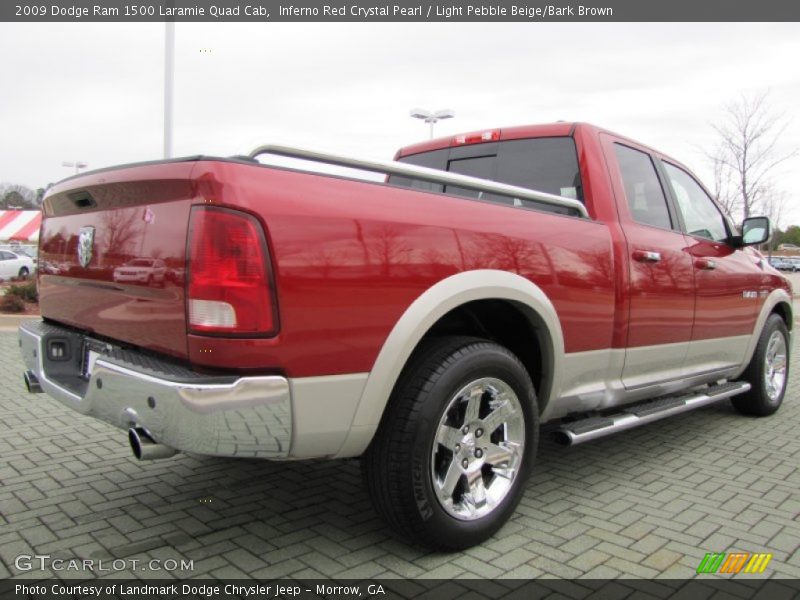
x: 767, y: 372
x: 23, y: 273
x: 448, y: 464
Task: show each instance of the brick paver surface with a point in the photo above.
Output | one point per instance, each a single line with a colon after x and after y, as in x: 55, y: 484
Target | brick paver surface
x: 645, y: 503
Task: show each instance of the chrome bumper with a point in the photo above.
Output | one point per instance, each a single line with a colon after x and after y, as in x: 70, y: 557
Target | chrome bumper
x: 220, y: 416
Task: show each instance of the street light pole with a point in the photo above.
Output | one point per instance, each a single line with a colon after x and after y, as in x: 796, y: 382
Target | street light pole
x: 432, y: 117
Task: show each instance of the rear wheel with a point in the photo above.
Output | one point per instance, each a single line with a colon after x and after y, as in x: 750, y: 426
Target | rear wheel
x: 449, y: 462
x: 767, y: 372
x: 23, y: 273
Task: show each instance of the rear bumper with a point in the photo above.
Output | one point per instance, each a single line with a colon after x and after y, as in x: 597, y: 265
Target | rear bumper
x: 221, y: 416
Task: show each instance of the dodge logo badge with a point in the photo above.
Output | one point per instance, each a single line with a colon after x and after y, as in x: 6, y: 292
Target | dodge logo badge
x: 85, y: 245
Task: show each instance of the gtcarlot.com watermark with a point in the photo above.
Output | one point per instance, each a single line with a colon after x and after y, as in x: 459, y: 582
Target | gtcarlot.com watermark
x: 43, y: 562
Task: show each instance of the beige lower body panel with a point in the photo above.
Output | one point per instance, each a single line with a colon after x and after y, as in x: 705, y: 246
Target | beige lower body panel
x: 602, y: 379
x: 323, y: 409
x: 591, y: 381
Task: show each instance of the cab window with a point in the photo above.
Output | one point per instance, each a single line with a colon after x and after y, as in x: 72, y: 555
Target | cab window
x: 545, y: 164
x: 436, y: 159
x: 700, y: 215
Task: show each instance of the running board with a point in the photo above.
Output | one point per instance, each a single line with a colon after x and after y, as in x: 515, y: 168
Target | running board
x: 632, y: 416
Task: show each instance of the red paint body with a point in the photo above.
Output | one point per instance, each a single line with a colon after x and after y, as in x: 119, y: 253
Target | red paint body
x: 349, y: 257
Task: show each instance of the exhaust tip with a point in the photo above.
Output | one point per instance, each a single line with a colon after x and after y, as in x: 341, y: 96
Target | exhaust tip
x: 144, y: 447
x: 135, y: 440
x: 32, y: 383
x: 562, y: 437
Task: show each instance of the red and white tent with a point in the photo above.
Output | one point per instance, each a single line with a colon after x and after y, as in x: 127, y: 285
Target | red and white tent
x: 20, y: 225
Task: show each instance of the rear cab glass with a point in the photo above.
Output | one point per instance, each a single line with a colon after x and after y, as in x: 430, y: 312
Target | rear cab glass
x: 547, y: 164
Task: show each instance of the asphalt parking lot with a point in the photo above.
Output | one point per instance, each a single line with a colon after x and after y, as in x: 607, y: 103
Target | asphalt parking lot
x: 647, y: 503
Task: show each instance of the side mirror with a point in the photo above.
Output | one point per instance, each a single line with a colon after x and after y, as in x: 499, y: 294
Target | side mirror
x: 755, y: 231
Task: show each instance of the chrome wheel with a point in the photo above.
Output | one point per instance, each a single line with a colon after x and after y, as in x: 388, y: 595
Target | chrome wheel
x: 775, y: 365
x: 448, y: 464
x: 480, y: 441
x: 768, y: 371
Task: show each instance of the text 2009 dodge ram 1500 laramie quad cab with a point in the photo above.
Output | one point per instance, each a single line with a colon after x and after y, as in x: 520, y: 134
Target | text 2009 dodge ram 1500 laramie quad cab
x: 430, y: 322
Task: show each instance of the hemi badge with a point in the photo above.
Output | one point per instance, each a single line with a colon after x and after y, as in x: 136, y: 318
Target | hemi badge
x: 749, y: 294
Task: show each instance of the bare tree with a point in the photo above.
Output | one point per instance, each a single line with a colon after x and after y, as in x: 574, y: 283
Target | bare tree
x: 388, y: 246
x: 121, y: 229
x: 748, y: 154
x: 773, y: 205
x: 724, y: 193
x: 17, y: 196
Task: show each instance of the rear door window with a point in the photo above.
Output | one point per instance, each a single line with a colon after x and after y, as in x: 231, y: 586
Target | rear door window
x: 646, y: 200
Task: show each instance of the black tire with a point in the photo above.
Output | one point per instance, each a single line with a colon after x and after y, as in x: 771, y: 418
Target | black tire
x: 23, y: 273
x: 764, y: 398
x: 399, y: 464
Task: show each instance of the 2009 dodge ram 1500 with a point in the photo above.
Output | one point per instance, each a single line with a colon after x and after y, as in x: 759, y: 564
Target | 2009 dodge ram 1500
x: 429, y: 322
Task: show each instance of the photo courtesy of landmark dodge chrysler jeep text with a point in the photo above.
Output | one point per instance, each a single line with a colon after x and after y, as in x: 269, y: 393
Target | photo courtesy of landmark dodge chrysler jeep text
x: 429, y: 323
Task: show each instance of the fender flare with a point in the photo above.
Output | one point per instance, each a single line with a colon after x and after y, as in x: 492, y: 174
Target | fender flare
x: 423, y: 313
x: 776, y: 297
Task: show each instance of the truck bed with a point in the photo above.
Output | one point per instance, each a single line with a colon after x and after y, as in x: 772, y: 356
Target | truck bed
x: 348, y: 257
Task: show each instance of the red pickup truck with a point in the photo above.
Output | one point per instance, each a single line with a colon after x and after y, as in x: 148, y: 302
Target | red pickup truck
x: 429, y: 322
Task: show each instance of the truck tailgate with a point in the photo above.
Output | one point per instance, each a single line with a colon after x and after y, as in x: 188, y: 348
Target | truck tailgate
x: 112, y: 254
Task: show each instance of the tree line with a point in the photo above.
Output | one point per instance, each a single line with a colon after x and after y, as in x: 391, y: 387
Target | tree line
x: 790, y: 235
x: 20, y: 197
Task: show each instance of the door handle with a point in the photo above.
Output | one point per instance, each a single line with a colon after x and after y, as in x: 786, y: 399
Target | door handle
x: 705, y: 263
x: 646, y: 256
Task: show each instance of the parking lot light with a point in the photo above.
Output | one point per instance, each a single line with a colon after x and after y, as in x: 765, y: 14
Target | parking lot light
x: 432, y: 117
x: 77, y: 164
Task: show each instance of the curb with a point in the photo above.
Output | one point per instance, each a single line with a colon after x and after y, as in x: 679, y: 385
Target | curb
x: 11, y: 322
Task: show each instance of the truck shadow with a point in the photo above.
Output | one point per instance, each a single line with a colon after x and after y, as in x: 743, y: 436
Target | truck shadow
x: 315, y: 518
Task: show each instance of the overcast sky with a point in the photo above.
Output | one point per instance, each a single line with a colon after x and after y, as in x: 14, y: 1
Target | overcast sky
x: 94, y: 92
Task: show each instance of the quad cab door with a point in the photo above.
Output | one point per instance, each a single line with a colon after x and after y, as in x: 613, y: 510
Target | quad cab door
x: 660, y: 286
x: 727, y: 279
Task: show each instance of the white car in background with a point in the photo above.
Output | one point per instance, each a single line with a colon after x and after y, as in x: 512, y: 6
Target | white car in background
x: 15, y: 264
x: 147, y: 271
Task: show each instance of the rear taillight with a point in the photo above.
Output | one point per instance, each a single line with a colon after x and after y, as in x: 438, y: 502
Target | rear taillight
x: 229, y: 287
